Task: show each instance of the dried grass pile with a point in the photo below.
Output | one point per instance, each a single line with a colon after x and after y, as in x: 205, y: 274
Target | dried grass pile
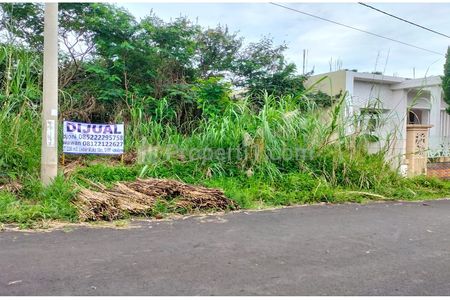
x: 12, y: 187
x: 139, y: 198
x: 71, y: 166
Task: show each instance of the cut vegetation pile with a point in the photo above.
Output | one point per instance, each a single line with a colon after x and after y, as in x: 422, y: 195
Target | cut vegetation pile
x: 144, y: 195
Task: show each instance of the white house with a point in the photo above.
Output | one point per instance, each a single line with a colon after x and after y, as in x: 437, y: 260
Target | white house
x: 396, y: 101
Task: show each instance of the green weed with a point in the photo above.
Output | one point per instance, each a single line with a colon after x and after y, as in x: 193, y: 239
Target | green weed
x: 36, y: 203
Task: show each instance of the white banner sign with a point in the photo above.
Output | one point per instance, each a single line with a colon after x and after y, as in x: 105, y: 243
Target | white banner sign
x: 84, y: 138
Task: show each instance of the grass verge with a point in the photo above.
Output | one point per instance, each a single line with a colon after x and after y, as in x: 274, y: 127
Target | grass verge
x: 35, y: 203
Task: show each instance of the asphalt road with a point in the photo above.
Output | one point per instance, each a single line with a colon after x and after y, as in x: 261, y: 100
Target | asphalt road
x: 375, y: 249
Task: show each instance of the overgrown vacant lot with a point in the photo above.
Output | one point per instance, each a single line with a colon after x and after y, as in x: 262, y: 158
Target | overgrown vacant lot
x: 255, y: 173
x: 199, y: 105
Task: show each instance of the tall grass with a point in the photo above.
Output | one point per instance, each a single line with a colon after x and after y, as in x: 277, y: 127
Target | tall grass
x: 20, y: 141
x: 19, y: 112
x: 257, y: 141
x: 265, y: 137
x: 20, y: 72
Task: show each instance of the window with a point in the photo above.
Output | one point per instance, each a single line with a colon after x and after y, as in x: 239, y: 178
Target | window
x: 370, y: 119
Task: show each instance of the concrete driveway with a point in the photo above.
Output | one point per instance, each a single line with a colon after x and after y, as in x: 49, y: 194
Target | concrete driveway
x: 375, y: 249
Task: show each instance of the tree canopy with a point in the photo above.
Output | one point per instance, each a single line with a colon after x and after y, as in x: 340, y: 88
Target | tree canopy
x: 109, y: 59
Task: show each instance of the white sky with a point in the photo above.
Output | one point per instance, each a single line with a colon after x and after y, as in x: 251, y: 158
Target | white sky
x: 325, y: 41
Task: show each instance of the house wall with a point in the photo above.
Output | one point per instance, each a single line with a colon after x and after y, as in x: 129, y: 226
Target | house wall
x: 445, y: 122
x: 367, y: 93
x: 399, y: 119
x: 331, y: 83
x: 392, y: 130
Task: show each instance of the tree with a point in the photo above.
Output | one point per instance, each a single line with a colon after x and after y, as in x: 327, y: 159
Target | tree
x: 446, y: 80
x: 109, y: 60
x: 217, y: 50
x: 261, y: 66
x: 171, y: 48
x: 23, y: 23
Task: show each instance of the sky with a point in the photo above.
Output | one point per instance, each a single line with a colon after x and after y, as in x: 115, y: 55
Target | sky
x: 330, y: 46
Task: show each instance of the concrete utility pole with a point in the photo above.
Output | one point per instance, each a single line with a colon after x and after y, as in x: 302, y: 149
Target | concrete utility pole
x: 49, y: 155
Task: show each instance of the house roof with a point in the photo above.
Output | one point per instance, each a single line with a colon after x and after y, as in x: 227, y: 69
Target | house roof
x: 418, y: 83
x: 372, y: 77
x: 395, y: 82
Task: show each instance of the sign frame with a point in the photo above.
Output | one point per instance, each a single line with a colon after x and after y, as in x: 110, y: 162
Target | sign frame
x: 87, y: 129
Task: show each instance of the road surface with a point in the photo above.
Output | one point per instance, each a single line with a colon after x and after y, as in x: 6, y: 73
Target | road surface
x: 351, y: 249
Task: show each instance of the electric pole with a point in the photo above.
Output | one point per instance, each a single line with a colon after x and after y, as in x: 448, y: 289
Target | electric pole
x: 49, y: 154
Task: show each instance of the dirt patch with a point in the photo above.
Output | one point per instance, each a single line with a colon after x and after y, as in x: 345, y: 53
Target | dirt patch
x: 139, y: 198
x: 52, y: 225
